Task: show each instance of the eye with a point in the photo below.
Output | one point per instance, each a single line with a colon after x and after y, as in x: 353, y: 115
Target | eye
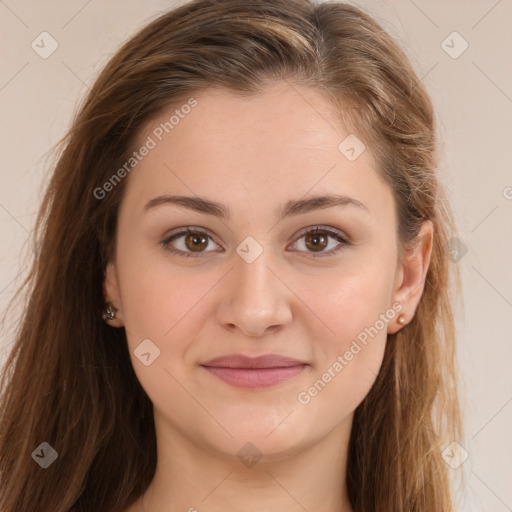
x: 317, y: 239
x: 194, y: 240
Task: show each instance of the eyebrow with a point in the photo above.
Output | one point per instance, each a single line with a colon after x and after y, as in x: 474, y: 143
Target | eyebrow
x: 291, y: 208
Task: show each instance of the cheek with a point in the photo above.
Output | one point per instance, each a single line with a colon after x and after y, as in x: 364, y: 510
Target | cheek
x: 168, y: 305
x: 354, y: 306
x: 350, y: 352
x: 156, y: 293
x: 351, y: 298
x: 166, y: 308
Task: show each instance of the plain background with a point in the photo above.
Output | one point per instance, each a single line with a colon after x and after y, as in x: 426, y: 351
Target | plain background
x: 473, y: 99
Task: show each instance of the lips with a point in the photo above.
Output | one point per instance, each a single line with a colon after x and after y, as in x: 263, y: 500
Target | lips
x: 264, y: 361
x: 254, y: 372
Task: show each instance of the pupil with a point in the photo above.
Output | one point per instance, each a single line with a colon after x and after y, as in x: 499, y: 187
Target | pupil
x: 317, y: 239
x: 197, y: 241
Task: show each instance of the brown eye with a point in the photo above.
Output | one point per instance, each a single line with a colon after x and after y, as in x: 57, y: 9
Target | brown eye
x: 316, y: 241
x: 196, y: 242
x: 188, y: 243
x: 322, y: 241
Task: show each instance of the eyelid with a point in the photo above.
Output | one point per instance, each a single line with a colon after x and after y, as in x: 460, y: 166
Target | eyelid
x: 331, y: 232
x: 342, y: 239
x: 334, y: 232
x: 180, y: 232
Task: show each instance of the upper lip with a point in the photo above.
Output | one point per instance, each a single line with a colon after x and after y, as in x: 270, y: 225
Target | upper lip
x: 264, y: 361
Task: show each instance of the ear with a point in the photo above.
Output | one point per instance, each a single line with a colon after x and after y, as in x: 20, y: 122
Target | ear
x: 111, y: 294
x: 411, y: 274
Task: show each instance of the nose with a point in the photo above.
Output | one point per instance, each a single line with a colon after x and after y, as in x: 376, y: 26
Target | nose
x: 255, y: 300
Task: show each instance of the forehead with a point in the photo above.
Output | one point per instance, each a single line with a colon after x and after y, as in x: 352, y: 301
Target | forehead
x: 286, y: 140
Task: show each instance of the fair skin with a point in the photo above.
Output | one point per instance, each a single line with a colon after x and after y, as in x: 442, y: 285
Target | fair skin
x: 298, y: 299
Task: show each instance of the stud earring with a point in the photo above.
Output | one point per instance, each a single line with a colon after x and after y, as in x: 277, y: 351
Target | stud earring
x: 401, y: 319
x: 109, y: 313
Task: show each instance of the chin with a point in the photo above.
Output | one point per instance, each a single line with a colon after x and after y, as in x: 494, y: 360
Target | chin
x: 265, y: 433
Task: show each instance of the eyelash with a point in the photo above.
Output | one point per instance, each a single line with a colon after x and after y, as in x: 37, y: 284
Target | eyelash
x: 318, y: 229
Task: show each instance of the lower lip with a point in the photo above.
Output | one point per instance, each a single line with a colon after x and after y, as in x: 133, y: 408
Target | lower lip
x: 255, y: 377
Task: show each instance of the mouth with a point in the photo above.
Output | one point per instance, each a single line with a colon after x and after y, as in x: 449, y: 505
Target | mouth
x: 254, y: 372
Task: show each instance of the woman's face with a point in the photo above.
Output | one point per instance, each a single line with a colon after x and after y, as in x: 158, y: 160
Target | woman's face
x: 256, y: 280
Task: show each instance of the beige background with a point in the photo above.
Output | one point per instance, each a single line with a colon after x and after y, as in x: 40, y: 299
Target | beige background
x: 473, y: 98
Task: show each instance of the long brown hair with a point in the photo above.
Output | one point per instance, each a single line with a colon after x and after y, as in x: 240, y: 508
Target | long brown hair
x: 69, y: 380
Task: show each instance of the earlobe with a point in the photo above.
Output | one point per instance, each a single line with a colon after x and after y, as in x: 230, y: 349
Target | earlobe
x: 411, y: 276
x: 112, y: 311
x: 401, y: 320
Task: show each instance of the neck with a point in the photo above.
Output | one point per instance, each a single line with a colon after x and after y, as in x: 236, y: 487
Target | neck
x: 192, y: 476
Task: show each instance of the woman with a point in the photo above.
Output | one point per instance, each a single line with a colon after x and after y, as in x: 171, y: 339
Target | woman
x: 241, y: 298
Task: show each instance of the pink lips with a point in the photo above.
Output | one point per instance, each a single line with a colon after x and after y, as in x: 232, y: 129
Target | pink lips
x: 254, y: 372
